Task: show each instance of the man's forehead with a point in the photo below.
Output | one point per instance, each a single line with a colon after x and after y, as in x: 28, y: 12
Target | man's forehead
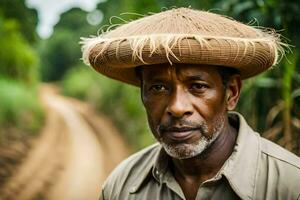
x: 181, y: 70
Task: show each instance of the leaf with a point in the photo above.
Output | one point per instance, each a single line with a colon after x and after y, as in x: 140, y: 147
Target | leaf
x: 273, y: 131
x: 274, y: 111
x: 266, y: 82
x: 296, y: 93
x: 241, y: 7
x: 296, y: 122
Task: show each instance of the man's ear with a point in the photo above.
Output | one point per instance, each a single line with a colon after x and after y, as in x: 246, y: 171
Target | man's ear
x: 233, y: 91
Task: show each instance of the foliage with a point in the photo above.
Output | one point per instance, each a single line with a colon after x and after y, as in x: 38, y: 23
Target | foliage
x: 18, y: 60
x: 62, y: 50
x: 118, y: 101
x: 59, y: 54
x: 27, y: 18
x: 20, y: 108
x: 21, y: 113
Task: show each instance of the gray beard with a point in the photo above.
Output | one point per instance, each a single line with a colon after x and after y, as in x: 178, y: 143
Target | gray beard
x: 185, y: 150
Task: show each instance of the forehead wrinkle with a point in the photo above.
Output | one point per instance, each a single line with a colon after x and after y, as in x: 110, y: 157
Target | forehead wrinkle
x: 178, y: 72
x: 202, y: 73
x: 160, y: 73
x: 183, y: 74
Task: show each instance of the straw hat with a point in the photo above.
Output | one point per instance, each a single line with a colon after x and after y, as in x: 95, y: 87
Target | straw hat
x: 181, y: 35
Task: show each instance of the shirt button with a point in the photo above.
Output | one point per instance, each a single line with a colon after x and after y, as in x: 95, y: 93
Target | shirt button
x: 132, y: 189
x: 156, y: 172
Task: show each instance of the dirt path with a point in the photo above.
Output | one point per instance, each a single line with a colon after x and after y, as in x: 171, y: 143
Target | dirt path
x: 71, y: 158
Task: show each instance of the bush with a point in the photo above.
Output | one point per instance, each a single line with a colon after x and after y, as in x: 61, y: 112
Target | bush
x: 21, y: 114
x: 118, y: 101
x: 20, y: 108
x: 18, y: 60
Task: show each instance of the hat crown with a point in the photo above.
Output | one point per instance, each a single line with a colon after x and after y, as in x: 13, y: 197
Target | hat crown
x: 185, y: 21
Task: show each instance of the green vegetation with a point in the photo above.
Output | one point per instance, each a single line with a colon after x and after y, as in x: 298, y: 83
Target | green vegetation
x: 18, y: 59
x: 62, y: 50
x: 20, y: 110
x: 26, y: 18
x: 21, y: 114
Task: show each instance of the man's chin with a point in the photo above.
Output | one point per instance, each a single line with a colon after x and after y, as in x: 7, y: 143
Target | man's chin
x: 189, y: 150
x: 184, y: 151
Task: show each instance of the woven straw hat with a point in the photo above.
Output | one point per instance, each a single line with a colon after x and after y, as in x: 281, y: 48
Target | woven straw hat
x: 181, y: 35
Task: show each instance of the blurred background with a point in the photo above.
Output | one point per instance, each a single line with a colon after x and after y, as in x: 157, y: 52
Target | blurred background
x: 57, y: 113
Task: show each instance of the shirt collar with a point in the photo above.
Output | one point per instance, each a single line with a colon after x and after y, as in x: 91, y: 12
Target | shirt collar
x: 245, y: 156
x: 142, y: 177
x: 155, y: 168
x: 242, y: 166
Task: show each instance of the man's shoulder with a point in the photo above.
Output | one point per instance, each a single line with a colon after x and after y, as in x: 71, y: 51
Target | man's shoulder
x: 279, y: 154
x: 131, y: 169
x: 279, y: 172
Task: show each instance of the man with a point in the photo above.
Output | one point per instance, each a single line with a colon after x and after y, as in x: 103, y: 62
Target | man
x: 189, y: 65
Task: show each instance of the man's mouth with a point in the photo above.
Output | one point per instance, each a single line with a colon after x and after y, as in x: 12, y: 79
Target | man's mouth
x: 179, y: 133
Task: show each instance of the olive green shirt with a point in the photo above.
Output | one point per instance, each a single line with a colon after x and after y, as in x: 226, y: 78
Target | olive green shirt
x: 257, y: 169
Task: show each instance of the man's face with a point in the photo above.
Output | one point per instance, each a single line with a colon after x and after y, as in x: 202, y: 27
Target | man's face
x: 185, y: 105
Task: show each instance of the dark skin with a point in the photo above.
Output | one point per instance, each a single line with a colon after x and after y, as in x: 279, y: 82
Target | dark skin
x: 178, y: 99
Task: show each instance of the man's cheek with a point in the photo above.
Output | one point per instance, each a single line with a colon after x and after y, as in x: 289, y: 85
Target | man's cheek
x: 153, y: 127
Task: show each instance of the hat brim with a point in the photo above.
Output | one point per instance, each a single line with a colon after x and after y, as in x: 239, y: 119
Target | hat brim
x: 118, y: 58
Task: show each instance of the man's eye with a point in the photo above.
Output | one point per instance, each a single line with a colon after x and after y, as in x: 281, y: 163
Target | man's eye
x: 158, y: 88
x: 198, y: 86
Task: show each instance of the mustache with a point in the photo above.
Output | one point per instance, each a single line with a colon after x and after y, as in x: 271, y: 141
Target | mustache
x: 182, y: 125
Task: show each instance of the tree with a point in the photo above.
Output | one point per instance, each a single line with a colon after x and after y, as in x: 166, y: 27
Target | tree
x: 27, y: 18
x: 18, y: 60
x: 62, y: 51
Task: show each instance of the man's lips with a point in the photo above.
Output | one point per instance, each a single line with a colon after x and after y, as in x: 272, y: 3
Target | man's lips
x: 179, y: 133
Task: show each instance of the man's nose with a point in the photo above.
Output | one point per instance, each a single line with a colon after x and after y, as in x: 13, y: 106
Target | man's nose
x: 179, y: 104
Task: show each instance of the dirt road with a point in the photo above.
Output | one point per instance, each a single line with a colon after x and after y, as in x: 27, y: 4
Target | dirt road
x: 71, y: 158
